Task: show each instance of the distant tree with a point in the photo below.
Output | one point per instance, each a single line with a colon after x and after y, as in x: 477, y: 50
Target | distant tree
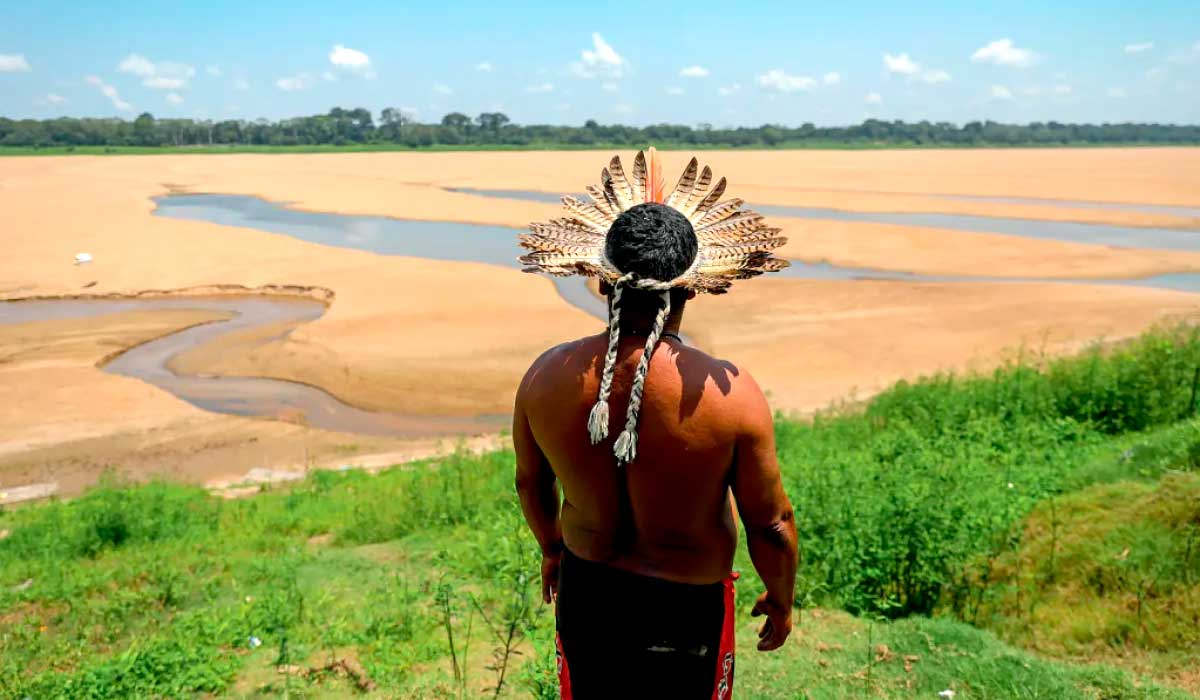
x: 491, y: 121
x: 143, y: 130
x: 456, y: 119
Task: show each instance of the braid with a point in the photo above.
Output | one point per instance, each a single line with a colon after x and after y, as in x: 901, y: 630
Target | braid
x: 598, y: 418
x: 626, y: 445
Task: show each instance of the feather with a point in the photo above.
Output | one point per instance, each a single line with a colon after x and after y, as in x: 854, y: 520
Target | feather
x: 685, y: 186
x: 724, y: 253
x: 564, y: 226
x: 711, y: 199
x: 602, y: 201
x: 587, y: 213
x: 708, y: 283
x: 620, y: 186
x: 534, y: 241
x: 688, y: 207
x: 736, y: 220
x: 564, y: 257
x: 654, y: 184
x: 639, y: 178
x: 718, y: 212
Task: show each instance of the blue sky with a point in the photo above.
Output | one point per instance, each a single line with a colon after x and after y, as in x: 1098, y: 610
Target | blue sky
x: 698, y: 62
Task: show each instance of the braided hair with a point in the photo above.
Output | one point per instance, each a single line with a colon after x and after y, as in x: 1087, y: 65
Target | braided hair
x: 651, y: 244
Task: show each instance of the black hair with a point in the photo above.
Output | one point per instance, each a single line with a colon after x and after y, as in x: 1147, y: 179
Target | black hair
x: 653, y: 241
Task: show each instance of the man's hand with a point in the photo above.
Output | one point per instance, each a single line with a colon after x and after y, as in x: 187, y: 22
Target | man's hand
x: 550, y: 564
x: 778, y: 625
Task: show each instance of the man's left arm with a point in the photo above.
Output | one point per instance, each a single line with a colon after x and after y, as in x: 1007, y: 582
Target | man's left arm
x: 538, y: 490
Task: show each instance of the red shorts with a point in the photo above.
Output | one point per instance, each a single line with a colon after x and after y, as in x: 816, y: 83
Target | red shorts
x: 623, y: 635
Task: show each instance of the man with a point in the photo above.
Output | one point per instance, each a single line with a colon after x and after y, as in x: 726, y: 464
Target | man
x: 639, y: 555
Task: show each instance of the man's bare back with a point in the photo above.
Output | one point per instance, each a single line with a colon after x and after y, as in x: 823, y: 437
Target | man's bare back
x: 706, y: 443
x: 677, y: 522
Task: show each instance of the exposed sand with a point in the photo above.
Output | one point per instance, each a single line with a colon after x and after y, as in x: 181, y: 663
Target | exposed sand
x: 809, y: 343
x: 410, y: 335
x: 62, y: 420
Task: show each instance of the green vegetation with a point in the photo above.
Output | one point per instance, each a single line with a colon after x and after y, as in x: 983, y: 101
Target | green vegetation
x: 1112, y: 571
x: 420, y: 581
x: 357, y: 130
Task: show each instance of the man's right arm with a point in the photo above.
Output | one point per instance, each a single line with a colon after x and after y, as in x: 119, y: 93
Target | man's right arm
x: 766, y: 514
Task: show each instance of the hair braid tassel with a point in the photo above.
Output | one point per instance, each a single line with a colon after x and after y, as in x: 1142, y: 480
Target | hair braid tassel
x: 598, y: 418
x: 626, y: 445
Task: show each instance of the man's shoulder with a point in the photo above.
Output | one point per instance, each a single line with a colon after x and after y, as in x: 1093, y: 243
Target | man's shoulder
x: 556, y: 358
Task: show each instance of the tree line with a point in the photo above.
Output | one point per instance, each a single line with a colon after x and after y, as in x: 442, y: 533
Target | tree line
x: 346, y: 127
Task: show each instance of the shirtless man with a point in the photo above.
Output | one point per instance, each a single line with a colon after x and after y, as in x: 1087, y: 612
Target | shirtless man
x: 638, y: 555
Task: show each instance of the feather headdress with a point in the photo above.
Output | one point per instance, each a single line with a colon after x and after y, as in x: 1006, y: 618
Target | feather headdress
x: 732, y: 243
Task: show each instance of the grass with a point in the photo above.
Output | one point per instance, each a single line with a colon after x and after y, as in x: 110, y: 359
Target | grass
x: 1112, y: 571
x: 419, y: 581
x: 539, y: 146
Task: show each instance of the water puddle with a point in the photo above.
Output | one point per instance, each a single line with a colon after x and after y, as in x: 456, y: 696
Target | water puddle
x: 1075, y: 232
x: 240, y: 396
x: 1171, y: 210
x: 435, y: 240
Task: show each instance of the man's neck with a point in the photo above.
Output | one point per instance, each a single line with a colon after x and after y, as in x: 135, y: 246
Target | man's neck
x: 641, y: 327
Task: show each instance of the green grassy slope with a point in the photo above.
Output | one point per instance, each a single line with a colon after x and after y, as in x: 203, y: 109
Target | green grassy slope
x: 905, y: 509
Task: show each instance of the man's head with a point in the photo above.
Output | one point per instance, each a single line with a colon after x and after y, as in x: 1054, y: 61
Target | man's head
x: 651, y: 240
x: 654, y: 241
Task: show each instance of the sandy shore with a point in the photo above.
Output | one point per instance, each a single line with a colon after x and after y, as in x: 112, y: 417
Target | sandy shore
x: 412, y: 335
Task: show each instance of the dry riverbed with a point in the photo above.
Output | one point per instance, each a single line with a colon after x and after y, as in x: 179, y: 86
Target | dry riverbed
x: 412, y: 335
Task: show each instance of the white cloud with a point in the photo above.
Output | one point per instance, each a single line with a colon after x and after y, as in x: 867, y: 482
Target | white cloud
x: 485, y: 66
x: 161, y: 75
x: 328, y: 76
x: 1117, y: 93
x: 13, y: 63
x: 903, y: 64
x: 873, y: 98
x: 623, y: 108
x: 54, y: 99
x: 442, y: 89
x: 349, y: 59
x: 1003, y: 52
x: 727, y: 90
x: 295, y: 83
x: 110, y: 92
x: 831, y: 78
x: 1139, y: 47
x: 214, y: 71
x: 610, y: 87
x: 676, y: 91
x: 900, y: 64
x: 540, y: 88
x: 602, y: 60
x: 241, y: 84
x: 1062, y: 90
x: 779, y: 81
x: 999, y: 92
x: 694, y: 72
x: 174, y: 98
x: 563, y: 106
x: 933, y: 77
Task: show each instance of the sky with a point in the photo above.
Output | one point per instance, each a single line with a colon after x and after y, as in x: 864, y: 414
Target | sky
x: 725, y: 64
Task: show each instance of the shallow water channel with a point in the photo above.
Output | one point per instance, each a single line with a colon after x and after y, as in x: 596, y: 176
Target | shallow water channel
x: 1072, y: 231
x: 239, y: 396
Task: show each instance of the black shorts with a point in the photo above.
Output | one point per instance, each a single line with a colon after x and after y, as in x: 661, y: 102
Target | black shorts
x: 623, y: 635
